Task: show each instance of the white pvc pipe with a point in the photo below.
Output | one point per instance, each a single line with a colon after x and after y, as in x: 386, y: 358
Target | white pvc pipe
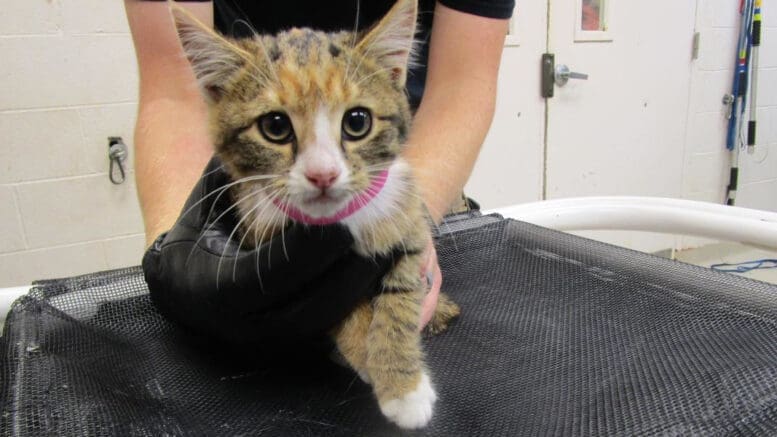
x: 651, y: 214
x: 7, y: 297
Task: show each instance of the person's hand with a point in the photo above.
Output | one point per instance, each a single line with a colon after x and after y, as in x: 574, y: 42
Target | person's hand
x: 297, y: 285
x: 433, y: 278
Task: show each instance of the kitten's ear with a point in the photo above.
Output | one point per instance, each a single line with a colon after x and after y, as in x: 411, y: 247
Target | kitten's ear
x: 390, y: 41
x: 213, y: 58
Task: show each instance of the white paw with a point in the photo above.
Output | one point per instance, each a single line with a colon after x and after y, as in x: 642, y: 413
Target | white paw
x: 415, y: 409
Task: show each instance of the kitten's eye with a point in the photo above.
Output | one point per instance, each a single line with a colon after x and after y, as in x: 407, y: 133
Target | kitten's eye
x: 276, y: 127
x: 357, y: 123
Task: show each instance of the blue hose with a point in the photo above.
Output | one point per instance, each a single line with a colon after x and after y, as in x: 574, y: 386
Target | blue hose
x: 746, y: 266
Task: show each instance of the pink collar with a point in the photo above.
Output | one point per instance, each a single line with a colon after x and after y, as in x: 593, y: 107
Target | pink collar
x: 354, y: 205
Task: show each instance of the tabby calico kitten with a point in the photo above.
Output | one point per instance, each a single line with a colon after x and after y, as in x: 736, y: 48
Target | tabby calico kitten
x: 313, y: 123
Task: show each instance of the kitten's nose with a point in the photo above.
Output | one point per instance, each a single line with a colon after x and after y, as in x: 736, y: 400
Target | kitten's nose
x: 323, y: 179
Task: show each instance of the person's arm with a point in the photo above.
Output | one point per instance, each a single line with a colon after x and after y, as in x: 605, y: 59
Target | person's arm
x: 458, y: 104
x: 172, y: 144
x: 455, y: 114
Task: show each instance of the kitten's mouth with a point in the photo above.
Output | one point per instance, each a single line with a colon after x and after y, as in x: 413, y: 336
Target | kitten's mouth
x: 323, y: 198
x: 325, y: 201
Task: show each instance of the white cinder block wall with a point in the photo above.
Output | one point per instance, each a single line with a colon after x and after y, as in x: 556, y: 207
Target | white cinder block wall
x: 68, y: 81
x: 706, y: 160
x: 706, y: 167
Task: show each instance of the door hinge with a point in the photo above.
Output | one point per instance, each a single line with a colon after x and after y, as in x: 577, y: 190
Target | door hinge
x: 548, y: 74
x: 696, y: 38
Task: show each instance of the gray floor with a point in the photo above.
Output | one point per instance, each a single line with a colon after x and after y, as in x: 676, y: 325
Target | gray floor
x: 730, y: 253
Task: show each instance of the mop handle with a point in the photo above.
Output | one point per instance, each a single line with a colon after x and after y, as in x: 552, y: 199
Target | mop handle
x: 755, y: 41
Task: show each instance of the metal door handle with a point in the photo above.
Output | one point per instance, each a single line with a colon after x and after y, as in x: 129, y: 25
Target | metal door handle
x: 562, y: 75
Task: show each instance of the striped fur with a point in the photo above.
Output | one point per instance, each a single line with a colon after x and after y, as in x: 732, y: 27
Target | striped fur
x: 314, y: 79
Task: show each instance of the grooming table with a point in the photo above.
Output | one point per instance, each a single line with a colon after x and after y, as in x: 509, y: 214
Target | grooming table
x: 559, y: 335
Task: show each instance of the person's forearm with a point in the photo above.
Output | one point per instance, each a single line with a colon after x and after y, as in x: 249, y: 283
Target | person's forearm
x: 458, y: 104
x: 172, y: 145
x: 447, y: 134
x: 171, y: 149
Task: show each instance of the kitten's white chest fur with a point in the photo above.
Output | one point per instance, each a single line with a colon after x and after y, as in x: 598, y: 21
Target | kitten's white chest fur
x: 386, y: 205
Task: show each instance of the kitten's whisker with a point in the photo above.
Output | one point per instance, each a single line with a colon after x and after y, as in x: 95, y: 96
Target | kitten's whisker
x: 221, y: 167
x: 378, y: 71
x: 214, y: 192
x: 240, y: 245
x: 244, y: 23
x: 233, y: 206
x: 257, y: 247
x: 281, y: 218
x: 260, y: 75
x: 244, y: 217
x: 375, y: 169
x: 267, y: 227
x: 271, y: 224
x: 257, y: 37
x: 270, y: 65
x: 363, y: 55
x: 268, y: 203
x: 239, y: 181
x: 353, y: 41
x: 226, y: 245
x: 268, y: 230
x: 366, y: 52
x: 231, y: 184
x: 283, y: 241
x: 356, y: 69
x: 264, y: 204
x: 217, y: 191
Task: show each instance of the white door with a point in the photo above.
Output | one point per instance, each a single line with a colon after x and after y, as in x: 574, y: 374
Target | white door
x: 620, y: 132
x: 509, y: 167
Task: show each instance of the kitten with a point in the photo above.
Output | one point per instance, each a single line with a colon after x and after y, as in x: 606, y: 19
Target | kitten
x: 316, y: 122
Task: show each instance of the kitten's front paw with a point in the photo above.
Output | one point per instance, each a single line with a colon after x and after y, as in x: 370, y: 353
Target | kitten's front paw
x: 415, y: 409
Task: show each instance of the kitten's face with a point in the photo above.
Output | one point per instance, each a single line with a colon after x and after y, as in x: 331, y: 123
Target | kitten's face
x: 322, y: 114
x: 320, y: 119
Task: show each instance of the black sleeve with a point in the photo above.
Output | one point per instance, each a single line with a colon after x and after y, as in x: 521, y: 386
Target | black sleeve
x: 483, y: 8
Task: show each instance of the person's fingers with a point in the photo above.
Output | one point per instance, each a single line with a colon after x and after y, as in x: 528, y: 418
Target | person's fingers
x: 433, y: 277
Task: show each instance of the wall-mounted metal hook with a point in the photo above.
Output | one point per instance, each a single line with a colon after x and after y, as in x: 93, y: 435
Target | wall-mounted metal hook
x: 117, y: 153
x: 728, y: 101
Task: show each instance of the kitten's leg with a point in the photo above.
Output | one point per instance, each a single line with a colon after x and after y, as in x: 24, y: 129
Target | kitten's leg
x: 446, y: 311
x: 351, y: 339
x: 394, y: 357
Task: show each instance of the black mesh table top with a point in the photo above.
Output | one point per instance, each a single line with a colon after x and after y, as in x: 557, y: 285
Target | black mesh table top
x: 559, y: 335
